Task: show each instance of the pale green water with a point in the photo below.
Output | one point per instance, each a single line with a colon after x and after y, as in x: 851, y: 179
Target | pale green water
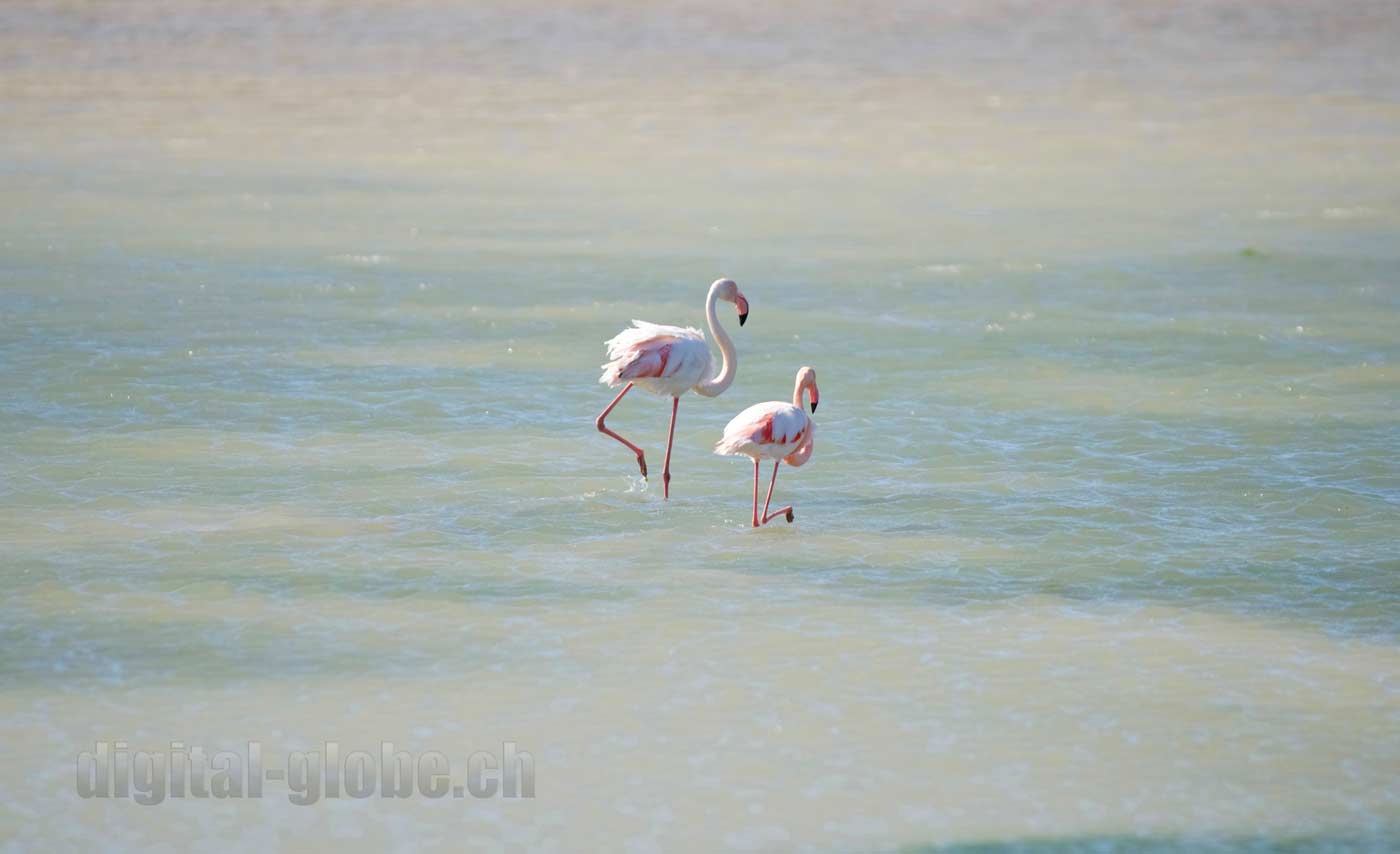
x: 300, y: 319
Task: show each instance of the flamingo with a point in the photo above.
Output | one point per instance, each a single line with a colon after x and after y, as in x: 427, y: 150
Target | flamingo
x: 780, y: 431
x: 671, y: 360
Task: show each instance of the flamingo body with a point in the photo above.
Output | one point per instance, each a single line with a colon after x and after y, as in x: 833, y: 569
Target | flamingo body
x: 664, y: 360
x: 772, y: 430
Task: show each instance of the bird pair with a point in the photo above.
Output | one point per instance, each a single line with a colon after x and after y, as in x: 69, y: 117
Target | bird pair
x: 671, y: 360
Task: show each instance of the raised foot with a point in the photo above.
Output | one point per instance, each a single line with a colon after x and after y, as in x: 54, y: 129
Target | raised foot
x: 783, y: 511
x: 642, y: 464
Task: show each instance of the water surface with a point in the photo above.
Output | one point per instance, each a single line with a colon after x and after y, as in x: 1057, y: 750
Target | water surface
x: 301, y: 308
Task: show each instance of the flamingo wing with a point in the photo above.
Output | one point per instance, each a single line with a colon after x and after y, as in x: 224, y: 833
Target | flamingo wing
x: 654, y: 351
x: 764, y: 426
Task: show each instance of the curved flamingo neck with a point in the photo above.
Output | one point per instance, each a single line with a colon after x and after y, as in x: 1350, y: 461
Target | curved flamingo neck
x: 729, y: 364
x: 804, y: 451
x: 797, y: 393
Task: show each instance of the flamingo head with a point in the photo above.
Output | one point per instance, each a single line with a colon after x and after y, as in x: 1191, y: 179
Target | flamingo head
x: 726, y: 290
x: 807, y: 380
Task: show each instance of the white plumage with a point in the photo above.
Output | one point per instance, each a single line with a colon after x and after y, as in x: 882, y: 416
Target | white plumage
x: 666, y: 360
x: 770, y: 430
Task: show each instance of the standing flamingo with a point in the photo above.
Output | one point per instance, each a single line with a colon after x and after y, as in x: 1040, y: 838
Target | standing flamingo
x: 671, y: 360
x: 780, y: 431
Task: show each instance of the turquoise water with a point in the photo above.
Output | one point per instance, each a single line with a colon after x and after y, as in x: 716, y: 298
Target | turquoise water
x: 300, y: 320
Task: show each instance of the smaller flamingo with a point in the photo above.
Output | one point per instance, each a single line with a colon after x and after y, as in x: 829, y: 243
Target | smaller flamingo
x: 775, y: 430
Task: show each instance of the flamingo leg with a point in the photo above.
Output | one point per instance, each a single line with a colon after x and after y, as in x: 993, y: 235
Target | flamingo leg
x: 755, y: 492
x: 767, y: 517
x: 603, y: 428
x: 666, y: 464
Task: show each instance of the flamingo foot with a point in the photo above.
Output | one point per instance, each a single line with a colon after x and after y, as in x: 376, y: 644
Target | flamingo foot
x: 782, y: 511
x: 642, y: 464
x: 666, y: 485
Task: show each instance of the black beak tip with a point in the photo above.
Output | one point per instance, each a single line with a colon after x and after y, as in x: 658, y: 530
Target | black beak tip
x: 743, y: 317
x: 814, y: 406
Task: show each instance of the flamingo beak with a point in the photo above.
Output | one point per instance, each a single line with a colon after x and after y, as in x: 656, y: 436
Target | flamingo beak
x: 814, y: 400
x: 743, y: 306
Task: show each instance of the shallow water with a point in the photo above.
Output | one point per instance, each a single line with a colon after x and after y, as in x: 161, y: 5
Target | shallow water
x: 300, y: 316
